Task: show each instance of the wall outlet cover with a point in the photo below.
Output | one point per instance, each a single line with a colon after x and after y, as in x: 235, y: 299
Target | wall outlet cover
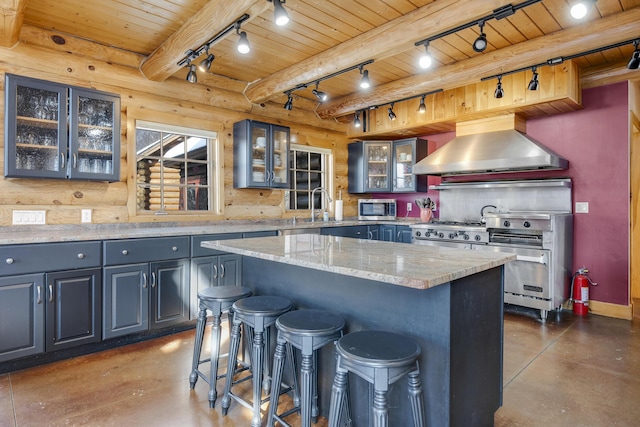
x: 409, y: 206
x: 582, y: 207
x: 29, y: 217
x: 86, y: 215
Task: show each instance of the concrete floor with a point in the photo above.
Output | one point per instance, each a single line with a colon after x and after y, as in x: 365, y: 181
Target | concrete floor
x: 566, y: 372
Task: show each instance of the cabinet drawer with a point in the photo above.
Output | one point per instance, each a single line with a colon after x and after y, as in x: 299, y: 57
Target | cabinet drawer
x: 197, y: 250
x: 130, y: 251
x: 40, y: 258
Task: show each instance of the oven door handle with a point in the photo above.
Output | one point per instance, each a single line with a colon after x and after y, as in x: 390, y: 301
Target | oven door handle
x: 542, y: 259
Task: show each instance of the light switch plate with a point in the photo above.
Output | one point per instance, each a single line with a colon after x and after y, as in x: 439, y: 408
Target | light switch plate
x: 582, y: 207
x: 86, y: 215
x: 29, y: 217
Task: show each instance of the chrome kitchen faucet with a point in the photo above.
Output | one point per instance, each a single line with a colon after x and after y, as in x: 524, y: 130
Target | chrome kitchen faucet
x: 313, y: 209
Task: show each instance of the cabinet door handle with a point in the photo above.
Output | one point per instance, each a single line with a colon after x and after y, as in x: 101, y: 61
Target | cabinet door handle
x: 74, y: 165
x: 398, y: 236
x: 221, y: 270
x: 370, y: 234
x: 144, y: 280
x: 9, y: 261
x: 153, y: 279
x: 215, y: 271
x: 80, y: 255
x: 39, y: 297
x: 50, y: 292
x: 62, y: 161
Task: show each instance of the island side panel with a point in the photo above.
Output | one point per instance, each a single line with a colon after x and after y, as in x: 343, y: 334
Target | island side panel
x: 424, y: 315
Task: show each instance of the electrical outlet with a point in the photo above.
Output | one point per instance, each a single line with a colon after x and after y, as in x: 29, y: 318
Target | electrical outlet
x: 86, y: 215
x: 435, y: 206
x: 582, y: 207
x: 29, y: 217
x: 409, y: 206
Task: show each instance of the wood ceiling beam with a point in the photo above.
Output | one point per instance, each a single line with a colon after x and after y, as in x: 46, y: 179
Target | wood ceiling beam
x: 379, y: 43
x: 214, y: 17
x: 575, y: 40
x: 604, y: 75
x: 12, y: 13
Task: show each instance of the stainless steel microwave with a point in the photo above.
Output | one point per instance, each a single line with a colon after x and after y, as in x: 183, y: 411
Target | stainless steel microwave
x: 377, y: 209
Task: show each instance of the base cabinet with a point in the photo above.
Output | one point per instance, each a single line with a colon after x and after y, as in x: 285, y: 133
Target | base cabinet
x: 21, y: 316
x: 370, y: 232
x: 73, y: 308
x: 220, y: 270
x: 395, y: 233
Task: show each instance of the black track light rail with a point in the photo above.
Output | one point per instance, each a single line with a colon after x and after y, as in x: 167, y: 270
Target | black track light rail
x: 327, y: 77
x: 373, y: 107
x: 560, y: 59
x: 192, y: 54
x: 497, y: 14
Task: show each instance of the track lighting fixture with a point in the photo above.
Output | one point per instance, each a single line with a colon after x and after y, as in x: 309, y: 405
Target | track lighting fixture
x: 321, y: 96
x: 392, y: 115
x: 634, y: 62
x: 365, y: 83
x: 426, y: 60
x: 243, y: 41
x: 422, y: 108
x: 533, y: 84
x: 499, y: 93
x: 580, y: 8
x: 192, y: 77
x: 280, y: 15
x: 205, y: 64
x: 481, y: 42
x: 289, y: 104
x: 356, y: 120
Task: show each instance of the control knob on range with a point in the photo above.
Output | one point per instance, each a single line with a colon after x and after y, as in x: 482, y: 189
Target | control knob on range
x: 418, y: 234
x: 506, y: 223
x: 526, y: 224
x: 452, y: 235
x: 466, y: 236
x: 477, y: 238
x: 440, y: 235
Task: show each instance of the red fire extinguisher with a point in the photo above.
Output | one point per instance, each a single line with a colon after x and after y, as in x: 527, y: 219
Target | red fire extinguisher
x: 580, y: 292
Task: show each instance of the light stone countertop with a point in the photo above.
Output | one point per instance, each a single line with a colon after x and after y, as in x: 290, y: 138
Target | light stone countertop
x: 414, y: 266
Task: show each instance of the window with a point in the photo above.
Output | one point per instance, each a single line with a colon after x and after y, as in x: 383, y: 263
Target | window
x: 310, y: 167
x: 175, y: 168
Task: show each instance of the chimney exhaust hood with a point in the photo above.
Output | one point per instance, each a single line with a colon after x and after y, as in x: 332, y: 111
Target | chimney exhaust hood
x: 490, y: 146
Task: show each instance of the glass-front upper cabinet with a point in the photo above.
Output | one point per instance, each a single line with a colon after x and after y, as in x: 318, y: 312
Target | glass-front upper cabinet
x: 377, y: 161
x: 261, y: 155
x: 405, y: 153
x: 57, y: 131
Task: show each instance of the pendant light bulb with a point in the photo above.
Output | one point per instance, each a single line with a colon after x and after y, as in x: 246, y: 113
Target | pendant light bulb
x: 426, y: 60
x: 280, y: 14
x: 422, y: 108
x: 634, y: 62
x: 499, y: 93
x: 365, y: 83
x: 533, y: 84
x: 192, y: 77
x: 356, y: 120
x: 243, y: 43
x: 580, y: 9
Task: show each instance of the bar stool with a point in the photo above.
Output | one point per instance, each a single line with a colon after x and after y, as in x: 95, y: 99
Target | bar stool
x: 218, y: 300
x: 380, y: 358
x: 257, y: 313
x: 306, y: 330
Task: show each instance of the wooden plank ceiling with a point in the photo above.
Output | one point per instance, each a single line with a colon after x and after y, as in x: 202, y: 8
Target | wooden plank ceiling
x: 325, y: 36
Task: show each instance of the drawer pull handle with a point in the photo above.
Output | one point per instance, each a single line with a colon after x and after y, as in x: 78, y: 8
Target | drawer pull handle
x: 9, y: 261
x: 174, y: 249
x: 80, y: 255
x: 125, y: 252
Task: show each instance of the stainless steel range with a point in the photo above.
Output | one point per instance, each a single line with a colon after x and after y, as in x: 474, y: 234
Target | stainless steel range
x: 542, y: 242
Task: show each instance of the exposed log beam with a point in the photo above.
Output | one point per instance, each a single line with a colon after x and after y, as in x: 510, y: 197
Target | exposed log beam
x: 214, y: 17
x: 12, y: 12
x: 604, y: 75
x: 379, y: 43
x: 613, y: 29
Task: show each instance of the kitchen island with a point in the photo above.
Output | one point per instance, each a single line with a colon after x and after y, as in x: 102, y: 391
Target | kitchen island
x: 449, y: 301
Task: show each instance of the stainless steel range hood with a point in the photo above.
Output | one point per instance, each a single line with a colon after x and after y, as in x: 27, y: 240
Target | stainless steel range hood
x: 505, y: 150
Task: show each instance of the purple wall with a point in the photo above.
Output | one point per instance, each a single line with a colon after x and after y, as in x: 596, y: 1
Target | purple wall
x: 595, y: 141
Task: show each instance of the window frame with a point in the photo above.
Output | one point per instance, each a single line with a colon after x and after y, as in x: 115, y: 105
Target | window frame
x: 328, y: 178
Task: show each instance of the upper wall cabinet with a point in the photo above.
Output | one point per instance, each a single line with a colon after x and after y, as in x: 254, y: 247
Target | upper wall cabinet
x: 386, y: 166
x: 58, y: 131
x: 260, y: 155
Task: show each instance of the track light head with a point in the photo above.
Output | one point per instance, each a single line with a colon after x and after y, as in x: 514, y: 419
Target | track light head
x: 480, y: 44
x: 192, y: 77
x: 392, y: 115
x: 356, y: 120
x: 205, y: 64
x: 422, y: 108
x: 533, y: 84
x: 280, y: 15
x: 289, y: 104
x: 321, y: 96
x: 634, y: 62
x: 243, y: 41
x: 426, y: 60
x: 579, y: 9
x: 365, y: 83
x: 499, y: 93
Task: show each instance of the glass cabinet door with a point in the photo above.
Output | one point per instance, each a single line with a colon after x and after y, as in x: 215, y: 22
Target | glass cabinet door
x: 95, y: 135
x: 259, y: 159
x: 280, y: 158
x: 377, y: 166
x: 35, y: 128
x: 403, y: 179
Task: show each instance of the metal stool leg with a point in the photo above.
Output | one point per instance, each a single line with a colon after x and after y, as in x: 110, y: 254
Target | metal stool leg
x: 197, y: 347
x: 233, y: 355
x: 417, y: 402
x: 380, y: 408
x: 258, y: 359
x: 337, y: 397
x: 278, y: 367
x: 307, y: 372
x: 215, y: 353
